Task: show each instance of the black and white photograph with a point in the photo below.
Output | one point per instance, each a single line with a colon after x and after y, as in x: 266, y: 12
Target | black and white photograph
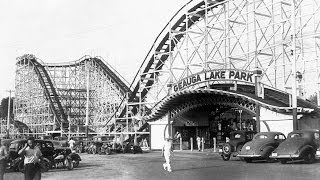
x: 153, y: 90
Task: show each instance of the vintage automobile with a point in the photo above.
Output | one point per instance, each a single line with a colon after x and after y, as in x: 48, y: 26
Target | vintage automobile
x: 299, y: 145
x: 59, y: 144
x: 15, y: 162
x: 233, y: 147
x: 261, y: 146
x: 102, y: 144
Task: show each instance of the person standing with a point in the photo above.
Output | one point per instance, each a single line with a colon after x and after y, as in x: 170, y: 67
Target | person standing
x: 32, y: 158
x: 3, y: 156
x: 71, y: 143
x: 199, y: 143
x: 167, y: 152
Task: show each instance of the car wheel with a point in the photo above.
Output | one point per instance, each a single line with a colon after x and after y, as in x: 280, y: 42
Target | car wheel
x: 21, y: 166
x: 309, y: 157
x: 45, y: 165
x: 239, y: 148
x: 283, y: 161
x: 75, y: 164
x: 247, y: 160
x: 225, y: 157
x: 108, y: 151
x: 226, y: 149
x: 69, y: 164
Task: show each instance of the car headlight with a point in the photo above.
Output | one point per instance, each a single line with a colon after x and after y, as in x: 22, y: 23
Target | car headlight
x: 247, y: 147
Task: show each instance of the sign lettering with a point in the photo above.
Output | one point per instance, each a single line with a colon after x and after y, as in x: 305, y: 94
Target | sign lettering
x: 214, y: 75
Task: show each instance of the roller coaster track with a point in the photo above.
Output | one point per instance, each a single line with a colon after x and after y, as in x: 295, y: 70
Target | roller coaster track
x: 163, y: 46
x: 50, y: 92
x: 114, y: 75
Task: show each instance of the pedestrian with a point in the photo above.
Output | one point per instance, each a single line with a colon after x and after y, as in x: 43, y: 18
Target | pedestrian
x: 177, y: 136
x: 167, y: 152
x: 32, y: 158
x: 199, y: 143
x: 71, y: 143
x: 3, y: 156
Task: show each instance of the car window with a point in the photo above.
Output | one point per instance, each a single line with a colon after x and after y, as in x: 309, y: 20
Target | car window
x: 20, y: 146
x: 237, y: 136
x: 262, y: 136
x: 50, y: 145
x: 281, y: 136
x: 296, y: 135
x: 13, y: 146
x: 250, y: 136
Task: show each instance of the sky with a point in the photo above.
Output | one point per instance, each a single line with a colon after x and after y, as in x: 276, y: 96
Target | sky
x: 121, y: 32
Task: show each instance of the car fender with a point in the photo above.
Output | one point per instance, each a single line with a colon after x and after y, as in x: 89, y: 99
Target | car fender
x: 266, y: 151
x: 305, y: 149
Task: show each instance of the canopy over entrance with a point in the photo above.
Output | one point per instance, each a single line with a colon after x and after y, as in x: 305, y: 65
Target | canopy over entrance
x: 188, y: 99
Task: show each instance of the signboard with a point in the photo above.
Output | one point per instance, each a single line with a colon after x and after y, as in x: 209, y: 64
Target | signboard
x: 214, y: 75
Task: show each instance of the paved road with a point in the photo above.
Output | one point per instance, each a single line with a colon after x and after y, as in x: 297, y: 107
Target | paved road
x: 186, y: 165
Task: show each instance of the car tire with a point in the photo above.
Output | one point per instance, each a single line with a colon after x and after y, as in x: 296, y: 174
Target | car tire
x: 283, y: 161
x: 239, y: 147
x: 45, y: 165
x: 69, y: 164
x: 225, y: 157
x: 108, y: 151
x: 248, y: 160
x: 227, y: 149
x: 309, y: 157
x: 21, y: 166
x: 75, y: 164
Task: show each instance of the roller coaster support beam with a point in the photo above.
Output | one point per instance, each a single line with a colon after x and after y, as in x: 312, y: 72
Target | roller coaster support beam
x: 257, y: 73
x: 294, y: 68
x: 88, y: 94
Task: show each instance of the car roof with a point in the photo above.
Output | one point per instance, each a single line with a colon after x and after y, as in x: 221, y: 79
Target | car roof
x: 271, y: 133
x: 305, y: 131
x: 242, y: 131
x: 25, y: 140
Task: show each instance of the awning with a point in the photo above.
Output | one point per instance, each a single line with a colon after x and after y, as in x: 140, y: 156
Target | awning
x: 183, y: 97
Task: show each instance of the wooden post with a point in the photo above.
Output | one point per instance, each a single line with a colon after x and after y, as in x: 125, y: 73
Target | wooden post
x: 191, y: 143
x: 214, y: 144
x: 202, y: 144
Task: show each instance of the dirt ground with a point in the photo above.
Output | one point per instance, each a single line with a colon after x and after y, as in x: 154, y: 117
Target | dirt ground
x: 186, y: 165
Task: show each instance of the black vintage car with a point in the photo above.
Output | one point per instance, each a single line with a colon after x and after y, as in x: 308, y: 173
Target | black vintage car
x: 299, y: 145
x: 233, y: 147
x: 261, y: 146
x: 15, y: 161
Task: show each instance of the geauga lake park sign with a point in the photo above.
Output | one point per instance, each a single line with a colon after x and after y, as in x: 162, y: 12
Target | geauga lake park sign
x: 214, y: 75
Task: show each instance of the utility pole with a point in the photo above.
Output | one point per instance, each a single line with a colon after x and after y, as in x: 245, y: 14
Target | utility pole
x: 8, y: 118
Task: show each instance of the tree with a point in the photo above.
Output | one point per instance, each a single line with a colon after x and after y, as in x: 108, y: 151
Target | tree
x: 4, y: 108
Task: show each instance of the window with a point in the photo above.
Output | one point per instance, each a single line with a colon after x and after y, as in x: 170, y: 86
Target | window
x: 295, y: 135
x: 262, y: 136
x: 49, y: 145
x: 316, y: 136
x: 281, y: 136
x: 237, y: 136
